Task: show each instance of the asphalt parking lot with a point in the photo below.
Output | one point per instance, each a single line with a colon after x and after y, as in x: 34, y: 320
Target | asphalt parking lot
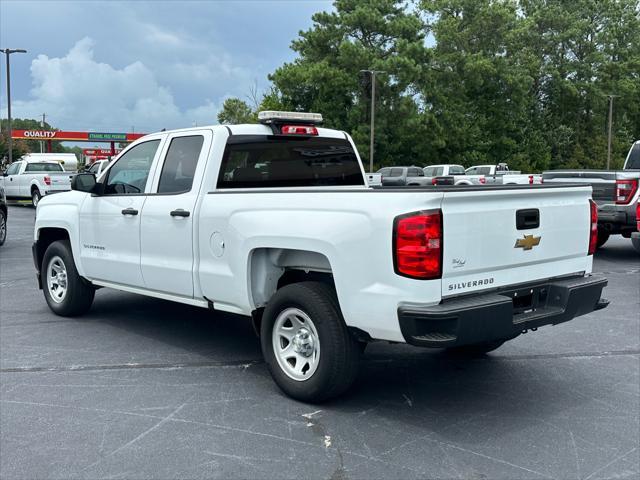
x: 143, y: 388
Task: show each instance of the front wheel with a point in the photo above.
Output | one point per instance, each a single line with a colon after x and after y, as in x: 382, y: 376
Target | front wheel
x: 309, y: 351
x: 3, y: 226
x: 35, y: 197
x: 65, y: 291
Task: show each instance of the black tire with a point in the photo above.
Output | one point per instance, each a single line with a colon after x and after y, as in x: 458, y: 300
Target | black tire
x: 477, y: 349
x: 3, y: 226
x: 602, y: 238
x: 35, y: 197
x: 79, y: 293
x: 636, y: 244
x: 339, y: 358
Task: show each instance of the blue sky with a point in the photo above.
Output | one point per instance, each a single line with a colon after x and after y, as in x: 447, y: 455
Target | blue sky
x: 111, y: 66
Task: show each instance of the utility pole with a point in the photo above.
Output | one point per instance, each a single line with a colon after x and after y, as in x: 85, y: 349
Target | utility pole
x: 7, y: 52
x: 611, y: 97
x: 42, y: 126
x: 373, y: 113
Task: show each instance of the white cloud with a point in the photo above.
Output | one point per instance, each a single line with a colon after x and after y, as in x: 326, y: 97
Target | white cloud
x: 79, y: 92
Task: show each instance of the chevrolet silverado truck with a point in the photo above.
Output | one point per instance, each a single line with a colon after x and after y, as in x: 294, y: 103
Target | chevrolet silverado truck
x: 33, y: 179
x: 615, y: 192
x: 275, y: 221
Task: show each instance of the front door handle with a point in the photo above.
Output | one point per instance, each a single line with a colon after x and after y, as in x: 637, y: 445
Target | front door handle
x: 179, y: 213
x: 129, y: 211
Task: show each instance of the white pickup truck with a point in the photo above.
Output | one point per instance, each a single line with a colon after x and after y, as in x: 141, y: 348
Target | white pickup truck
x: 500, y: 174
x: 275, y: 221
x: 34, y: 179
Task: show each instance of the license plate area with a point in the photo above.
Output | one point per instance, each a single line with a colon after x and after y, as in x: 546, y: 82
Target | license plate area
x: 528, y: 300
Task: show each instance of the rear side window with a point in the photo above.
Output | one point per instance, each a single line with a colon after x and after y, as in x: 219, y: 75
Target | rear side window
x: 180, y: 164
x: 439, y: 171
x: 43, y: 167
x: 416, y: 172
x: 262, y: 161
x: 456, y: 170
x: 484, y: 171
x: 633, y: 162
x: 395, y: 172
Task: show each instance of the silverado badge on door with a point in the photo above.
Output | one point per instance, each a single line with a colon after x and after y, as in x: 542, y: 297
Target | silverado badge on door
x: 528, y: 242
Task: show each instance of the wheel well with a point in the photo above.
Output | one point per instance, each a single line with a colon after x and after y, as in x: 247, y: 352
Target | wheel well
x: 34, y: 187
x: 273, y: 268
x: 46, y: 236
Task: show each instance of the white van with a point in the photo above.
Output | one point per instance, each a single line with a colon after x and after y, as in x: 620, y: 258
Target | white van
x: 69, y: 161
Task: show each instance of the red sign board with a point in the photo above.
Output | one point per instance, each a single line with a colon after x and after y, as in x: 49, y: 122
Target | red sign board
x: 75, y: 136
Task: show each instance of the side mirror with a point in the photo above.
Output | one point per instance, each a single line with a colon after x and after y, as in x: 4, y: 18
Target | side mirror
x: 84, y: 182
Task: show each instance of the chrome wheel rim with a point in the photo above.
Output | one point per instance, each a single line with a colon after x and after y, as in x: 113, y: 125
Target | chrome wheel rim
x: 3, y: 227
x: 57, y: 283
x: 296, y: 344
x: 35, y: 199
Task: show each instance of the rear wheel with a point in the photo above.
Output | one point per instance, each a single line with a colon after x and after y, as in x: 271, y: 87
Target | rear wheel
x: 602, y: 238
x: 309, y: 351
x: 3, y: 226
x: 35, y: 197
x: 65, y: 291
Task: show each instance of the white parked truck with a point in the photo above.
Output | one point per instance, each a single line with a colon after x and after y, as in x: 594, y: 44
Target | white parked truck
x: 451, y: 174
x: 500, y: 174
x: 33, y: 179
x: 275, y: 221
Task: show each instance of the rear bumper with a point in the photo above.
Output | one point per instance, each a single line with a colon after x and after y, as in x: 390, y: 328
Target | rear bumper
x: 617, y: 218
x: 500, y: 315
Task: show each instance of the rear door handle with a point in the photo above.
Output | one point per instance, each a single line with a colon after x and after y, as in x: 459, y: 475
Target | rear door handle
x: 129, y: 211
x: 179, y: 213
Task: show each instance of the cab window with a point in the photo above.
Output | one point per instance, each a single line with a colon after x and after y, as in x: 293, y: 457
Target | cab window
x: 180, y: 164
x: 13, y: 168
x: 130, y: 172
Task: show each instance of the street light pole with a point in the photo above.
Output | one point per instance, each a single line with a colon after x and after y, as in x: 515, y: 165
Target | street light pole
x: 611, y: 97
x: 373, y: 113
x: 7, y: 52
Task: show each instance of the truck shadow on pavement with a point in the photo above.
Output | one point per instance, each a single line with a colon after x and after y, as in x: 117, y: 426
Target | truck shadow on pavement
x: 424, y: 390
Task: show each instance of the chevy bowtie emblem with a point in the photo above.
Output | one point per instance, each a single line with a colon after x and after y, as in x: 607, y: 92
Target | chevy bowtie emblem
x: 528, y: 242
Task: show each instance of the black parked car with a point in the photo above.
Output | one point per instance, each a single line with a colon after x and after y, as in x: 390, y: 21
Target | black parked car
x: 3, y: 216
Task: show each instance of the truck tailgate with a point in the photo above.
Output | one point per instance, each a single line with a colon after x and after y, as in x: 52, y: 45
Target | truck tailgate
x: 492, y: 237
x: 59, y: 181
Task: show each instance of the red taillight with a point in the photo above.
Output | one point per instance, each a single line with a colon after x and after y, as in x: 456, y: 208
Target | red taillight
x: 593, y: 232
x: 530, y: 179
x: 47, y: 180
x: 299, y: 130
x: 482, y: 180
x: 625, y: 190
x: 434, y: 181
x: 417, y: 245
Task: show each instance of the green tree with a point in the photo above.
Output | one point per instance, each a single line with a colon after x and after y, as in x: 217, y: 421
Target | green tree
x: 362, y: 34
x: 236, y: 111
